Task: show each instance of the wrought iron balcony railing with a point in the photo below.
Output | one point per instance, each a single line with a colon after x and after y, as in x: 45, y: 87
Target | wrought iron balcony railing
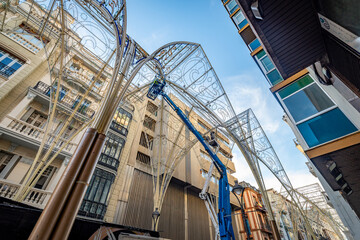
x: 64, y: 99
x: 92, y: 209
x: 36, y: 197
x: 108, y: 161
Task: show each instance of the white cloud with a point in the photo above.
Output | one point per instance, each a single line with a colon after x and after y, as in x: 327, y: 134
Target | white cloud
x: 244, y: 92
x: 297, y: 179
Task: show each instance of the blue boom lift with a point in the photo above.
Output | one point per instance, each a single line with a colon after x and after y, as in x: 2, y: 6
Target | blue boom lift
x: 224, y: 215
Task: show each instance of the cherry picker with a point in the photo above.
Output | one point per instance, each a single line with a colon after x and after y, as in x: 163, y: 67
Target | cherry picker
x: 224, y: 227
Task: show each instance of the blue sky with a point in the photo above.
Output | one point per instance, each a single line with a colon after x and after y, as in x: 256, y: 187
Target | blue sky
x: 153, y: 23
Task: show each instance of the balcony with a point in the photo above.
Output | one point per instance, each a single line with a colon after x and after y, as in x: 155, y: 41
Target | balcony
x: 28, y: 133
x: 82, y: 82
x: 108, y: 161
x: 23, y: 41
x: 36, y: 197
x: 92, y: 209
x: 118, y: 128
x: 265, y: 227
x: 65, y: 101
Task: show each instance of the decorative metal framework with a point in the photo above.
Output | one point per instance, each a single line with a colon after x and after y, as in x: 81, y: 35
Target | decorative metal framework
x: 321, y: 216
x: 96, y: 31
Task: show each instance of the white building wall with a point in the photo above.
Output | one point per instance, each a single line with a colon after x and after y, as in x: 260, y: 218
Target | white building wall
x: 342, y: 207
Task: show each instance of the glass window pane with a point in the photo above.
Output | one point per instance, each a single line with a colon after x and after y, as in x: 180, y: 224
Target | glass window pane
x: 326, y: 127
x: 16, y: 66
x: 99, y: 190
x: 307, y: 102
x: 266, y: 62
x: 239, y: 17
x: 254, y: 45
x: 274, y: 77
x: 242, y: 24
x: 94, y: 188
x: 304, y: 81
x: 260, y: 54
x: 6, y: 61
x: 105, y: 192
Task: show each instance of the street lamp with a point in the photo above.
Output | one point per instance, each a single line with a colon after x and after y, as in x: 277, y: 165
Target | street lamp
x: 155, y: 217
x: 239, y: 190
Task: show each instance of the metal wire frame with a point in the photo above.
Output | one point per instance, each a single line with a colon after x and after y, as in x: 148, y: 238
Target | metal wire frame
x: 184, y: 64
x: 31, y: 178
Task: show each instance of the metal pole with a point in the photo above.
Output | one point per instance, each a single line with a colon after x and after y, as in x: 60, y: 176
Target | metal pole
x: 243, y: 215
x: 73, y: 203
x: 246, y: 224
x: 54, y: 207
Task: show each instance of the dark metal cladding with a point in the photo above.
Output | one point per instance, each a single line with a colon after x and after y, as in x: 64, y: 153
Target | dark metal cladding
x: 344, y: 61
x: 290, y: 31
x: 347, y: 162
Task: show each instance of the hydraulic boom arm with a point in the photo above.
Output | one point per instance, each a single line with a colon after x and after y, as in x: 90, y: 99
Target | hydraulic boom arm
x: 224, y: 214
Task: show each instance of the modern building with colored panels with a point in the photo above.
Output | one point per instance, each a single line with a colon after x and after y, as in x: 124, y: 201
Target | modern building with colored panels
x: 255, y: 217
x: 312, y: 66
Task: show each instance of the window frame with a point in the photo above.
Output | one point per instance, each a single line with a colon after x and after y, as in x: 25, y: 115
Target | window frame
x: 312, y: 116
x: 297, y: 123
x: 236, y: 21
x: 14, y: 59
x: 258, y: 60
x: 232, y: 10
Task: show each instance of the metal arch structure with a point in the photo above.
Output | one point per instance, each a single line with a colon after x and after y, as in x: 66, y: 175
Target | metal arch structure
x: 184, y: 64
x: 80, y: 26
x: 261, y: 150
x: 256, y: 147
x: 313, y: 203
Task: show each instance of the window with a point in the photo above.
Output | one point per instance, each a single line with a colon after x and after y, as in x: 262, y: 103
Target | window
x: 111, y: 152
x: 94, y: 203
x: 149, y: 123
x: 45, y: 177
x: 146, y: 140
x: 62, y: 93
x: 268, y: 68
x: 318, y: 119
x: 203, y: 125
x: 254, y: 45
x: 9, y: 63
x: 240, y: 20
x: 5, y: 159
x: 84, y: 106
x: 121, y: 121
x: 232, y: 6
x: 223, y: 141
x: 34, y: 118
x: 226, y: 155
x: 27, y: 36
x: 122, y: 117
x: 205, y: 156
x: 213, y: 179
x: 143, y: 158
x: 152, y: 108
